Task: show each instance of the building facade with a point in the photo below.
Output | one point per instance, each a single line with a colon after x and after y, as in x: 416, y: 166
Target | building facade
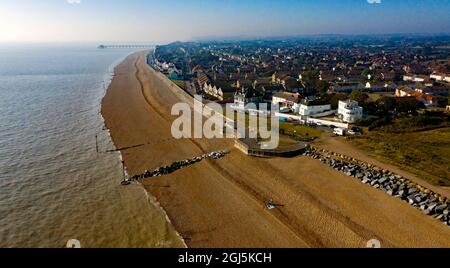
x: 349, y: 111
x: 287, y: 100
x: 311, y: 108
x: 246, y: 96
x: 222, y: 92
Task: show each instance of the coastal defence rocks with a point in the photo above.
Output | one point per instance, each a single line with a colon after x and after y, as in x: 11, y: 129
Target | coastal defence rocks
x: 427, y: 201
x: 165, y: 170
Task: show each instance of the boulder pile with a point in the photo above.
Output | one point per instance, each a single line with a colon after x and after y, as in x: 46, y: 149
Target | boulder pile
x: 430, y: 203
x: 165, y: 170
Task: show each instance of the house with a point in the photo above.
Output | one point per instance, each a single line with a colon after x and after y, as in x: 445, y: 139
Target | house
x: 349, y: 111
x: 289, y: 83
x: 347, y: 87
x: 384, y: 75
x: 414, y: 68
x: 440, y: 77
x: 427, y: 99
x: 415, y: 78
x: 287, y: 100
x: 326, y: 76
x: 420, y: 94
x: 313, y: 108
x: 245, y: 96
x: 220, y: 90
x: 269, y: 90
x: 202, y: 78
x: 404, y: 91
x: 376, y: 87
x: 354, y: 76
x: 279, y: 78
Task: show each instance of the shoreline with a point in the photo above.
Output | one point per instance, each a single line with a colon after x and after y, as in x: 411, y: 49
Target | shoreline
x: 221, y: 203
x: 152, y: 201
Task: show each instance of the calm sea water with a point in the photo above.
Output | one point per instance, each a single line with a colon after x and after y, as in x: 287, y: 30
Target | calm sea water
x: 53, y: 185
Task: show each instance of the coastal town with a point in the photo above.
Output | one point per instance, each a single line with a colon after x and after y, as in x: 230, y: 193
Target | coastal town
x: 253, y: 128
x: 348, y: 86
x: 316, y: 190
x: 359, y: 89
x: 333, y: 82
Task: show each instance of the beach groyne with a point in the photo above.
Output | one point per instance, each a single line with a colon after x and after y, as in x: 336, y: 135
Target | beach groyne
x: 165, y: 170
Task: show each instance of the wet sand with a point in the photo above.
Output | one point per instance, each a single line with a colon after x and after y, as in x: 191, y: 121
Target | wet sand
x: 220, y: 203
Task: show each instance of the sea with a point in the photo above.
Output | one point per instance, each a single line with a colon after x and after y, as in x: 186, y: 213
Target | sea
x: 55, y: 185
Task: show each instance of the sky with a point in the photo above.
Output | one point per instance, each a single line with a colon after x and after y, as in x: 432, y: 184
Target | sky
x: 158, y: 21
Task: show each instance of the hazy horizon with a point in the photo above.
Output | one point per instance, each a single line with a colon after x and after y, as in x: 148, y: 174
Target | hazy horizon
x: 166, y: 21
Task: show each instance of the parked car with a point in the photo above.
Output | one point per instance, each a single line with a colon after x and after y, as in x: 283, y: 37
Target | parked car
x: 339, y: 131
x: 357, y: 129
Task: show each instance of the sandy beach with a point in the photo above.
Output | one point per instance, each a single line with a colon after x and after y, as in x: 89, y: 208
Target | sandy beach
x: 220, y: 203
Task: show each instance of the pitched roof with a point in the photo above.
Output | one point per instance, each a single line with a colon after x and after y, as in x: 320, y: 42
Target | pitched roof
x: 294, y: 97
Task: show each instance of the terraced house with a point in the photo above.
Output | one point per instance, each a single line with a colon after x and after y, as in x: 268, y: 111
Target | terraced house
x: 219, y: 90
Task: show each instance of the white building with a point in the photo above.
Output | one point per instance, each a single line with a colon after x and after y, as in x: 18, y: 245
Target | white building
x: 349, y: 111
x: 311, y: 108
x: 287, y: 100
x: 440, y: 77
x: 415, y: 78
x: 246, y: 96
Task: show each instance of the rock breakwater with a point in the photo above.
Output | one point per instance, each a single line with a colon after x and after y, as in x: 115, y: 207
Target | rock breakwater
x: 165, y: 170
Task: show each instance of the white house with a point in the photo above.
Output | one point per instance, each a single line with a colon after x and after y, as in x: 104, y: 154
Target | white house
x: 440, y: 77
x: 287, y: 100
x: 404, y: 91
x: 311, y: 108
x: 221, y: 91
x: 415, y: 78
x: 246, y: 96
x: 349, y: 111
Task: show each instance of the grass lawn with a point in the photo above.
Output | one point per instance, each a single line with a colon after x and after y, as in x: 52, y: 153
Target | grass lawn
x: 425, y: 153
x: 289, y: 130
x: 180, y: 83
x: 286, y: 141
x: 299, y: 132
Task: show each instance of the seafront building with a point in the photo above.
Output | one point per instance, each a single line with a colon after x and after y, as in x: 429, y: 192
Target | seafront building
x: 281, y: 73
x: 349, y: 111
x: 246, y: 96
x: 314, y: 108
x: 287, y: 101
x: 219, y: 90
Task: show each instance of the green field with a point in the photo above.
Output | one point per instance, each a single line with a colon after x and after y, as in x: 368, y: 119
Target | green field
x: 424, y: 153
x: 299, y: 132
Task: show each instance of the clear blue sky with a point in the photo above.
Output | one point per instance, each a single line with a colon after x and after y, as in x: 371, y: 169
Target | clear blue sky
x: 169, y: 20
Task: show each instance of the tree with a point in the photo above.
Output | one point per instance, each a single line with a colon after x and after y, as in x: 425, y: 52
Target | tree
x: 359, y: 96
x: 310, y: 79
x: 386, y: 104
x: 366, y: 72
x: 408, y: 105
x: 334, y: 100
x: 370, y: 107
x: 312, y: 82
